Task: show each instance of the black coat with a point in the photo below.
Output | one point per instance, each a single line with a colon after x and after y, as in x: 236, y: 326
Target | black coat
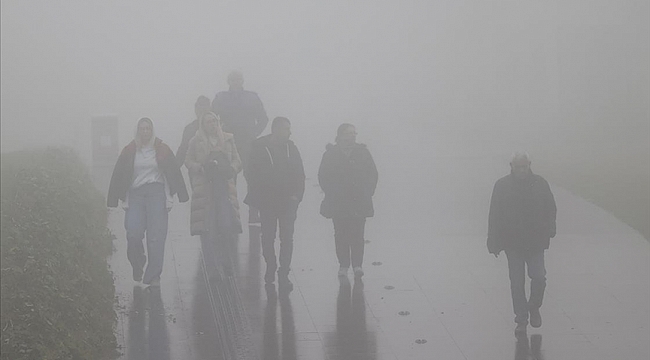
x: 122, y: 177
x: 275, y: 174
x: 522, y: 214
x: 241, y: 112
x: 188, y: 133
x: 348, y: 181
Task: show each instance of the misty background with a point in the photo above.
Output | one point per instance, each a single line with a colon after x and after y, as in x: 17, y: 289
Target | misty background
x: 568, y: 81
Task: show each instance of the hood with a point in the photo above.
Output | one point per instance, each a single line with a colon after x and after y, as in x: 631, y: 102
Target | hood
x: 331, y: 146
x: 266, y: 140
x: 136, y: 139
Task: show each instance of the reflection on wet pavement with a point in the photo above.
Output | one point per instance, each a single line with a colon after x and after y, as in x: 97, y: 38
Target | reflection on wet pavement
x: 351, y: 340
x: 536, y: 346
x: 148, y: 338
x: 270, y: 351
x: 529, y: 349
x: 137, y: 342
x: 282, y: 345
x: 433, y: 293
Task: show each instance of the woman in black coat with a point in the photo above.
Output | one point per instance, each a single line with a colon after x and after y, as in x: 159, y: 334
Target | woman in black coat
x: 348, y: 177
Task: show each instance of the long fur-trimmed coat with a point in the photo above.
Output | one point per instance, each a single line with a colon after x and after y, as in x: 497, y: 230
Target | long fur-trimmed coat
x: 197, y: 155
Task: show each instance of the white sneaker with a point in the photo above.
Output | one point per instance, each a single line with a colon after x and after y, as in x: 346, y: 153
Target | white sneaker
x: 343, y: 271
x: 358, y: 271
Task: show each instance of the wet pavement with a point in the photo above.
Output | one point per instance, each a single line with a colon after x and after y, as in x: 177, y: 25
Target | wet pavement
x: 431, y: 290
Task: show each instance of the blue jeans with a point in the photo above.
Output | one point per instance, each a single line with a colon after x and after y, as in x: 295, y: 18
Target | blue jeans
x: 147, y: 213
x: 517, y: 261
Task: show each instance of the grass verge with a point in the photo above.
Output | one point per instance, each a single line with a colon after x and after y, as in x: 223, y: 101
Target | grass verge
x: 56, y: 291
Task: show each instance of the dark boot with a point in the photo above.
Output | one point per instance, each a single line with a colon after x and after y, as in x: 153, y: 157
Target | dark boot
x: 253, y: 215
x: 269, y: 276
x: 284, y: 284
x: 137, y: 273
x: 520, y: 330
x: 535, y: 318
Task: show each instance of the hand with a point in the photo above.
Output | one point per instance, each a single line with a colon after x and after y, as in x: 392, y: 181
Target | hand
x: 493, y: 246
x: 210, y: 165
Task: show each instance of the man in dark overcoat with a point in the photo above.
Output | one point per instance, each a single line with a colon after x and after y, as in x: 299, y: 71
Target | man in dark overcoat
x: 521, y: 223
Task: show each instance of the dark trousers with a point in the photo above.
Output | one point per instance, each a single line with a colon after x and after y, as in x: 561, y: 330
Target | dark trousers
x: 349, y: 240
x: 270, y: 220
x: 517, y: 262
x: 244, y: 145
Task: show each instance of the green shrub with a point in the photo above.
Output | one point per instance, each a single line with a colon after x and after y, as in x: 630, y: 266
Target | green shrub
x: 56, y: 291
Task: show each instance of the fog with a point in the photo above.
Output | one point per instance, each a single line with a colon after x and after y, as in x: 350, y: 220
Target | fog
x: 440, y: 90
x: 563, y: 79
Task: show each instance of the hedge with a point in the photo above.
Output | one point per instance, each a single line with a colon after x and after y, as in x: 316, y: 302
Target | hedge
x: 56, y: 291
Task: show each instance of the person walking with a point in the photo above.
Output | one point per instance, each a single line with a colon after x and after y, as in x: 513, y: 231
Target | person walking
x: 348, y: 177
x: 276, y: 181
x: 213, y: 162
x: 201, y: 106
x: 242, y: 114
x: 144, y: 180
x: 521, y: 222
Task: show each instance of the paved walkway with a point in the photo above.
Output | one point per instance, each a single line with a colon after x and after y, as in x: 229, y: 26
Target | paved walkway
x: 431, y: 290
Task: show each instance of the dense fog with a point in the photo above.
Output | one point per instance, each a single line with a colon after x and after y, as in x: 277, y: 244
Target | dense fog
x: 562, y: 79
x: 441, y: 91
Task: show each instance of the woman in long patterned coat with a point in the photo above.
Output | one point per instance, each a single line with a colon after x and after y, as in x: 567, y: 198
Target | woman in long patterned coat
x: 213, y: 162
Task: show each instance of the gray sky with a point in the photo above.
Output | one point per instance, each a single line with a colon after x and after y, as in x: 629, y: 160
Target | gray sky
x: 447, y: 76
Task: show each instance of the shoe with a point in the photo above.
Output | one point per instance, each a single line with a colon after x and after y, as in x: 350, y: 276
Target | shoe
x: 535, y: 318
x: 284, y: 284
x: 137, y: 274
x: 358, y: 271
x: 271, y: 293
x: 269, y: 276
x: 253, y: 216
x: 343, y: 271
x: 520, y: 330
x: 283, y: 271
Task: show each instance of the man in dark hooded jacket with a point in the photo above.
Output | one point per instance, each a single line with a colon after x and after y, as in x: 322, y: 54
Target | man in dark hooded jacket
x: 276, y: 184
x: 521, y: 223
x: 242, y: 114
x: 201, y: 106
